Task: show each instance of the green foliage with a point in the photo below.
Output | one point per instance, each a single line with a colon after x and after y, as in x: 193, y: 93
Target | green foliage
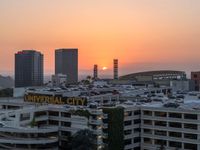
x: 6, y: 92
x: 86, y: 82
x: 33, y: 123
x: 84, y: 113
x: 115, y: 139
x: 83, y: 140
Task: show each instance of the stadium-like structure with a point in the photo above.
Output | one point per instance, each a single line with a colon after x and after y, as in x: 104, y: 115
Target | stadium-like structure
x: 156, y: 75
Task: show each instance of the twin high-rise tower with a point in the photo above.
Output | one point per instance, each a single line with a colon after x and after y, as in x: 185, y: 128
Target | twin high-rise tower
x: 66, y: 62
x: 28, y: 68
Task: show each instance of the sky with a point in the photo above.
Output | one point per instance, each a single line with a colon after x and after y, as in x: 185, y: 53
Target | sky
x: 142, y: 34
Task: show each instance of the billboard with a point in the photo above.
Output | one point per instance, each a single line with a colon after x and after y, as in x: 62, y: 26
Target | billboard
x: 57, y: 99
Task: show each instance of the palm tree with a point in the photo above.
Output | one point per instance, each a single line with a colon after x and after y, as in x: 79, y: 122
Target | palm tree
x: 83, y: 140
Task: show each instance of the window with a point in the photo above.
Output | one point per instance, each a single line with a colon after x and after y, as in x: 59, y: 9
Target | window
x: 161, y: 133
x: 160, y: 142
x: 137, y: 112
x: 137, y: 121
x: 161, y: 123
x: 136, y: 130
x: 64, y: 114
x: 127, y: 123
x: 190, y: 116
x: 147, y: 141
x: 190, y: 126
x: 128, y: 113
x: 147, y: 113
x: 137, y: 148
x: 40, y: 113
x: 175, y: 125
x: 65, y: 133
x: 175, y: 144
x: 127, y: 132
x: 52, y: 122
x: 175, y: 134
x: 147, y: 131
x: 160, y: 114
x: 66, y: 124
x: 190, y: 136
x: 190, y: 146
x: 147, y: 122
x: 195, y: 75
x: 175, y: 115
x: 53, y: 113
x: 136, y: 140
x: 25, y: 116
x: 128, y: 142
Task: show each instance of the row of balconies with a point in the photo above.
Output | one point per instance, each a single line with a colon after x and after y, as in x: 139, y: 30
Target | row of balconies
x: 169, y: 146
x: 169, y: 138
x: 170, y: 129
x: 46, y: 129
x: 170, y: 119
x: 29, y: 141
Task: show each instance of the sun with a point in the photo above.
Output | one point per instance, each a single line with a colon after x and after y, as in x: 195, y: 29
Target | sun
x: 104, y: 68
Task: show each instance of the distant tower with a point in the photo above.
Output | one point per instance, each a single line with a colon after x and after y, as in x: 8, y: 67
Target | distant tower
x: 66, y: 62
x: 115, y: 68
x: 95, y: 75
x: 28, y: 68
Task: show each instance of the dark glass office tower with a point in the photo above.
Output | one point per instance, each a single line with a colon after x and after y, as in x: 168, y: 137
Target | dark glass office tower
x: 66, y: 62
x: 28, y: 68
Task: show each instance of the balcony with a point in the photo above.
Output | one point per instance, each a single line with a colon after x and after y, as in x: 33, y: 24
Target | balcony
x: 95, y: 122
x: 95, y: 112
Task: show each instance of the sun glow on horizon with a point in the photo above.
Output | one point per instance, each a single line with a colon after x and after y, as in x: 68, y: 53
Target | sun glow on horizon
x: 104, y: 68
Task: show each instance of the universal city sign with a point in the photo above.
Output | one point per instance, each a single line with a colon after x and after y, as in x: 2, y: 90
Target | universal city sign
x: 37, y: 98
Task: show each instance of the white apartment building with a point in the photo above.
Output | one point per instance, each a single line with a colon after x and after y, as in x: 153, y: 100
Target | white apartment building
x: 119, y: 121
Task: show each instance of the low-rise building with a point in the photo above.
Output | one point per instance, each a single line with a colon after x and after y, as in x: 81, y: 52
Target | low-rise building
x: 59, y: 80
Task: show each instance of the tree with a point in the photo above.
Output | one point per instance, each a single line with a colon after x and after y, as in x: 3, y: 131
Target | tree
x: 89, y: 78
x: 33, y: 123
x: 83, y: 140
x: 6, y: 92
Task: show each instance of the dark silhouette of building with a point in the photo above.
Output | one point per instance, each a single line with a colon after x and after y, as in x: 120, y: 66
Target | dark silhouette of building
x: 115, y: 69
x: 195, y: 76
x: 28, y: 68
x: 95, y: 72
x: 66, y: 62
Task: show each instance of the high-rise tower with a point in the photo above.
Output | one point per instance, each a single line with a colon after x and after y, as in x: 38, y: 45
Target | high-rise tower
x: 28, y: 68
x: 95, y: 73
x: 115, y: 69
x: 66, y: 62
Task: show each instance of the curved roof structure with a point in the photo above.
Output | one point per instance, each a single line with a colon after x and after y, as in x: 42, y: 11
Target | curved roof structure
x: 158, y: 73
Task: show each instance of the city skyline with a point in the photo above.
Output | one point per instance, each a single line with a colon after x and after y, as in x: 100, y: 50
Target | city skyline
x: 145, y: 35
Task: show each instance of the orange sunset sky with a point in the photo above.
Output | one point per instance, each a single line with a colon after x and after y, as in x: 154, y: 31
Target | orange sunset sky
x: 142, y: 34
